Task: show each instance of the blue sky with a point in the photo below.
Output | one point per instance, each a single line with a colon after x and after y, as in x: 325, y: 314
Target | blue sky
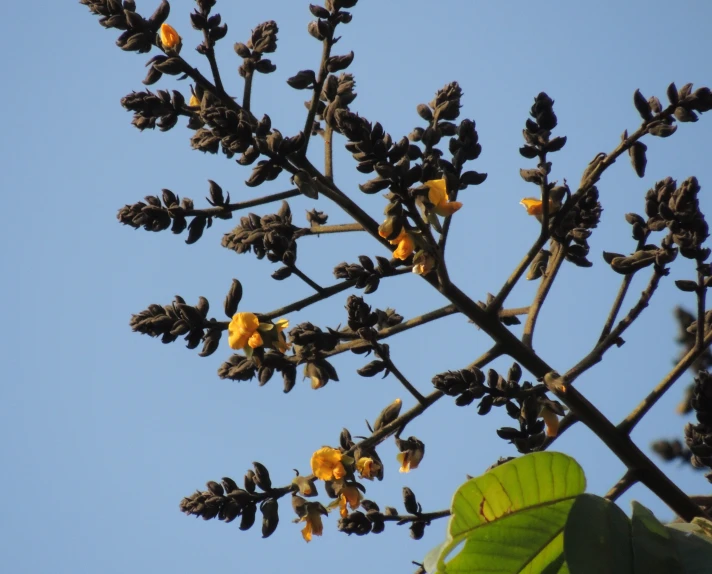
x: 105, y: 431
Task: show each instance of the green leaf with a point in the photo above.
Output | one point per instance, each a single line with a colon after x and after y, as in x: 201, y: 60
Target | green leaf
x: 511, y: 519
x: 694, y: 547
x: 653, y: 547
x: 597, y: 537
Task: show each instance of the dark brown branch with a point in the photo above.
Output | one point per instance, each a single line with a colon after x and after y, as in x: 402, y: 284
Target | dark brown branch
x: 329, y: 152
x: 621, y: 487
x: 385, y: 356
x: 558, y: 253
x: 304, y: 277
x: 210, y: 55
x: 701, y: 294
x: 230, y: 207
x: 596, y: 355
x: 323, y: 73
x: 422, y: 517
x: 628, y: 424
x: 339, y: 228
x: 247, y: 92
x: 298, y: 305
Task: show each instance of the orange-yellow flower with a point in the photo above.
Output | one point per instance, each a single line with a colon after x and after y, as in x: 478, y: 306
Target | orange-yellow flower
x: 437, y: 195
x: 314, y: 525
x: 326, y: 464
x: 367, y: 467
x: 405, y: 244
x: 409, y: 459
x: 194, y: 102
x: 281, y: 343
x: 551, y: 420
x: 169, y: 37
x: 241, y: 330
x: 351, y: 496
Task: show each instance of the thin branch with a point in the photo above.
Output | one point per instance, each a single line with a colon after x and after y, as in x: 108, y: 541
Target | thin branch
x: 629, y: 423
x: 621, y: 487
x: 304, y: 277
x: 385, y: 356
x: 421, y: 517
x: 339, y: 228
x: 247, y: 92
x: 299, y: 305
x: 701, y: 294
x: 230, y: 207
x: 210, y: 55
x: 596, y: 355
x: 323, y: 74
x: 559, y: 251
x: 329, y: 152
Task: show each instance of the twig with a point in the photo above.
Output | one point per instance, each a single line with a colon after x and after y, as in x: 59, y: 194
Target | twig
x: 247, y: 93
x: 328, y: 152
x: 622, y: 486
x: 304, y: 277
x: 339, y: 228
x: 701, y: 294
x: 629, y: 423
x: 559, y: 251
x: 230, y: 207
x: 385, y: 356
x: 323, y: 73
x: 421, y: 517
x: 210, y: 55
x: 596, y: 355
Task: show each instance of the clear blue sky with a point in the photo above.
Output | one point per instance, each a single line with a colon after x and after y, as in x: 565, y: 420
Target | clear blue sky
x: 104, y: 431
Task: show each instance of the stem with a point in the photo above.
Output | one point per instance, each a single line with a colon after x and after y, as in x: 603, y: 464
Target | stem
x: 422, y: 517
x: 323, y: 73
x: 385, y: 356
x: 617, y: 304
x: 339, y: 228
x: 328, y: 153
x: 559, y: 250
x: 622, y: 486
x: 516, y: 275
x: 701, y: 293
x: 629, y: 423
x: 596, y: 355
x: 210, y: 55
x: 313, y: 284
x: 325, y: 293
x: 247, y: 94
x: 230, y: 207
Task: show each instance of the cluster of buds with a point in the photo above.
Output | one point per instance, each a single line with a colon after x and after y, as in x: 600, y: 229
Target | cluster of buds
x: 523, y: 402
x: 271, y: 235
x: 687, y: 337
x: 263, y: 40
x: 211, y: 26
x: 172, y: 321
x: 156, y: 110
x: 226, y: 501
x: 698, y: 437
x: 677, y: 209
x: 365, y: 273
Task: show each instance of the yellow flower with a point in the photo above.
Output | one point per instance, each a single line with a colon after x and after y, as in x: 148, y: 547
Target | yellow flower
x: 255, y: 340
x: 314, y: 525
x: 169, y: 37
x: 351, y: 496
x: 533, y: 206
x: 551, y: 419
x: 409, y: 460
x: 194, y: 102
x: 437, y: 195
x: 405, y: 244
x: 536, y: 206
x: 367, y: 467
x: 326, y: 464
x: 241, y: 329
x: 281, y: 343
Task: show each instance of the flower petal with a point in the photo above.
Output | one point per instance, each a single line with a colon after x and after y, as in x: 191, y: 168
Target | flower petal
x: 532, y: 205
x: 437, y: 193
x: 445, y: 209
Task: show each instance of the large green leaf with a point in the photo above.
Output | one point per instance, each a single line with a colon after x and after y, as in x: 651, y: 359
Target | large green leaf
x: 653, y: 547
x: 694, y: 545
x: 597, y: 537
x: 511, y: 519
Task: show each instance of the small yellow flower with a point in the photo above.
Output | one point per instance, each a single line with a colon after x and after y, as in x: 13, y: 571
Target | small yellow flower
x: 194, y: 102
x: 314, y: 525
x: 241, y: 329
x: 255, y: 340
x: 437, y: 195
x: 367, y: 467
x: 281, y: 343
x: 409, y: 460
x: 351, y: 496
x: 169, y: 37
x: 405, y: 244
x: 551, y: 419
x: 326, y: 464
x: 533, y: 206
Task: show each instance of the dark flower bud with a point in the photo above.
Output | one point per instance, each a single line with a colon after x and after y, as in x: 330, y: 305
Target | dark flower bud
x: 270, y: 516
